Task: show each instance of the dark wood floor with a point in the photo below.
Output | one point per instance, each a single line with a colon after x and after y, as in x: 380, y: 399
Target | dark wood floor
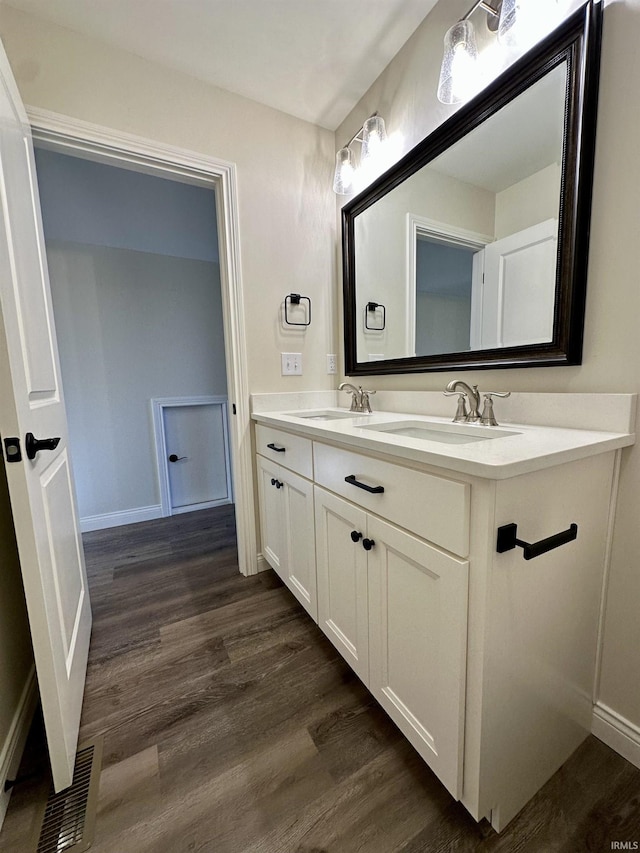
x: 231, y: 725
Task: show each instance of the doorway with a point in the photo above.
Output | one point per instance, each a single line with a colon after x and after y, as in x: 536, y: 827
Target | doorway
x: 104, y: 145
x: 135, y: 281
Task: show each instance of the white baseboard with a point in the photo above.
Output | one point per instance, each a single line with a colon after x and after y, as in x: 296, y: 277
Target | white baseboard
x: 117, y: 519
x: 11, y: 751
x: 263, y: 566
x: 177, y: 510
x: 617, y: 732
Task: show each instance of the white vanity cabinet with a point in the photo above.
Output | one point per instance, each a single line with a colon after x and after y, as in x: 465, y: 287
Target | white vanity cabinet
x: 286, y: 511
x: 484, y: 660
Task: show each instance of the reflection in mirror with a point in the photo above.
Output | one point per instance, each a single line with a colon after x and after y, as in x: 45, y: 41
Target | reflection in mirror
x: 463, y: 253
x: 503, y: 186
x: 443, y: 287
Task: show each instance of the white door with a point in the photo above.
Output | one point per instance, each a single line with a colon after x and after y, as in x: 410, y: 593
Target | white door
x: 31, y: 401
x: 518, y: 292
x: 195, y: 437
x: 341, y: 529
x: 299, y: 540
x: 270, y: 496
x: 418, y: 644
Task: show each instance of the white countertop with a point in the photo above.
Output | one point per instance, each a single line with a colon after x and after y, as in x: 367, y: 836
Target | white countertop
x: 531, y: 449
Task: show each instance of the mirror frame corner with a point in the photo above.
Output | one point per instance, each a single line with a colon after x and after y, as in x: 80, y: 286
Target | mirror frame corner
x: 578, y: 42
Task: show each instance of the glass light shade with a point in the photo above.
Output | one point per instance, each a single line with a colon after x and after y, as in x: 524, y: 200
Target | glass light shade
x: 458, y: 63
x: 373, y: 135
x: 343, y: 177
x: 524, y: 22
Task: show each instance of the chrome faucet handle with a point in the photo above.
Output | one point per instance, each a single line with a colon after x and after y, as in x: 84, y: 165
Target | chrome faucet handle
x: 364, y: 401
x: 488, y: 418
x: 461, y: 412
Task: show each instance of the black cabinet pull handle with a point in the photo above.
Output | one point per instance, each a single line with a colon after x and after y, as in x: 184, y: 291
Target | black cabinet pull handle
x: 276, y: 448
x: 355, y: 536
x: 368, y: 544
x: 276, y: 483
x: 375, y: 490
x: 507, y: 541
x: 33, y: 445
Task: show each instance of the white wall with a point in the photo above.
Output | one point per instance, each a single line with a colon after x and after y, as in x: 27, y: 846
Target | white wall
x: 405, y: 95
x: 285, y: 168
x: 530, y: 201
x: 131, y: 326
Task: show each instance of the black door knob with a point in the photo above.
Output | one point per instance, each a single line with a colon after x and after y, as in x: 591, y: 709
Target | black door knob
x: 368, y: 544
x: 33, y: 444
x: 355, y: 535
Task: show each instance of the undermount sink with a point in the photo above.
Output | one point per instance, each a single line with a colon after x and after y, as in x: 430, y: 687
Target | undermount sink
x: 445, y: 433
x: 323, y: 415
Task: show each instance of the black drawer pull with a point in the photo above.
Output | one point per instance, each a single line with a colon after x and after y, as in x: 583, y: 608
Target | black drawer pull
x: 276, y: 483
x: 276, y: 448
x: 368, y: 544
x: 375, y: 490
x: 507, y: 541
x: 355, y: 536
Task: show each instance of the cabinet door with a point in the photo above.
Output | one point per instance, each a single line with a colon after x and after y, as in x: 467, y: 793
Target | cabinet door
x: 417, y: 644
x: 342, y: 578
x: 271, y: 515
x: 299, y: 540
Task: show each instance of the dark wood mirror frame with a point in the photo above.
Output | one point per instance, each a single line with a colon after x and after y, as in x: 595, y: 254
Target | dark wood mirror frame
x: 577, y: 42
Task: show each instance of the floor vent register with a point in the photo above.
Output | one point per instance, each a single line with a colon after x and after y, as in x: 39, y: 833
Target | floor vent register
x: 69, y: 818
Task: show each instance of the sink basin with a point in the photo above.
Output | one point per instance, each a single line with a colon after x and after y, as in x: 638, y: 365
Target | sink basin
x: 323, y: 415
x: 446, y: 433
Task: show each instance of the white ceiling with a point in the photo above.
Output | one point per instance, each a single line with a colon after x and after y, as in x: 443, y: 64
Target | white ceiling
x: 313, y: 59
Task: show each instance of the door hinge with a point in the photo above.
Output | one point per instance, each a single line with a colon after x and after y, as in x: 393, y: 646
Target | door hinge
x: 12, y: 449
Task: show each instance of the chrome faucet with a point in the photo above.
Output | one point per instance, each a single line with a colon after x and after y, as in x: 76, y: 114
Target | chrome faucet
x: 359, y: 398
x: 474, y: 400
x: 473, y: 395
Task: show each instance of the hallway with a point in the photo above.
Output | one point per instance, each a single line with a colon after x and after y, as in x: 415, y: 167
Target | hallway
x: 231, y: 724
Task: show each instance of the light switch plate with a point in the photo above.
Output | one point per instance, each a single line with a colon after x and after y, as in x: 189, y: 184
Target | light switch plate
x: 291, y: 363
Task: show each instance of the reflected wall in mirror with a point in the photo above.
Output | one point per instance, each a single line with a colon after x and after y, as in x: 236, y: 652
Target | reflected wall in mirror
x: 476, y: 242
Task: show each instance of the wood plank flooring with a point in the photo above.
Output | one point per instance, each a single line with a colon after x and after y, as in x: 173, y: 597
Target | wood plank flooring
x: 231, y: 725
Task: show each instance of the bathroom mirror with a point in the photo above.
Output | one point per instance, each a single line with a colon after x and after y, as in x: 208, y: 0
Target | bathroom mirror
x: 472, y: 250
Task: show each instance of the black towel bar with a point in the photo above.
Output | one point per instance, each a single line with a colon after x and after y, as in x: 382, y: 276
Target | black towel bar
x: 507, y: 541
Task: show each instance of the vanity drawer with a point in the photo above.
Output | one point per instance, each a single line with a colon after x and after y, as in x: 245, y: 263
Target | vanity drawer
x: 294, y: 451
x: 433, y: 507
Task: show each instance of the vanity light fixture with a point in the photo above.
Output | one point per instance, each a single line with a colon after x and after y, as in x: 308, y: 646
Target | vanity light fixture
x: 461, y: 54
x: 371, y: 137
x: 518, y: 24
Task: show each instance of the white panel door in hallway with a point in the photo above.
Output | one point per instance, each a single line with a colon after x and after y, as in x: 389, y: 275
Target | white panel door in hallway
x: 197, y: 456
x: 39, y: 475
